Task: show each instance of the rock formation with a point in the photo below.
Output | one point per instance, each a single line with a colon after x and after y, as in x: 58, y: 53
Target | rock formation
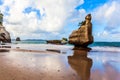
x: 18, y: 39
x: 4, y: 35
x: 83, y: 36
x: 59, y: 42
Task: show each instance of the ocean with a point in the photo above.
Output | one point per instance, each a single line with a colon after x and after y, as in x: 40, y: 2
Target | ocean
x: 29, y: 42
x: 96, y: 46
x: 100, y: 44
x: 106, y: 44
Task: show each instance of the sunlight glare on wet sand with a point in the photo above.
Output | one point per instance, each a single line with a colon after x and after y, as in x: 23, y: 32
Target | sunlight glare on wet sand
x: 74, y: 65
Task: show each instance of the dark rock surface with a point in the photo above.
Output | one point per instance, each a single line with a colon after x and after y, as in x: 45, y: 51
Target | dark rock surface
x: 83, y: 36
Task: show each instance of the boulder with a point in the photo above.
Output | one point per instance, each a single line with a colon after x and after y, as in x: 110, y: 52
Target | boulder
x: 82, y: 37
x: 18, y: 39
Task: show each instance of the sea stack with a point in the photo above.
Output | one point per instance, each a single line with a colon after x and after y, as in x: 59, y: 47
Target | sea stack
x: 18, y: 39
x: 82, y: 37
x: 4, y: 35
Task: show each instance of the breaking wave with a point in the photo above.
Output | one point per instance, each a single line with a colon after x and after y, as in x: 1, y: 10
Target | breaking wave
x: 106, y: 48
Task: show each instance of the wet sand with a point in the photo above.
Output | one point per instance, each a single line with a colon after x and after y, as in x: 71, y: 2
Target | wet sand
x: 30, y: 64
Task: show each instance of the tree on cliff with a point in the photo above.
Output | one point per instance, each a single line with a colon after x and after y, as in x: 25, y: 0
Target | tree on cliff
x: 81, y: 23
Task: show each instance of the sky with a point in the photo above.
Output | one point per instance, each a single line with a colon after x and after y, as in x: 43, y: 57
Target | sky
x: 55, y: 19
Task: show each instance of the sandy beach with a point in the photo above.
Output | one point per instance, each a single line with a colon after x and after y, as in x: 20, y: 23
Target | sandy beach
x: 35, y: 62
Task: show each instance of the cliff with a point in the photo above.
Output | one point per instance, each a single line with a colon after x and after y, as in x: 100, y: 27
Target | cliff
x: 4, y: 35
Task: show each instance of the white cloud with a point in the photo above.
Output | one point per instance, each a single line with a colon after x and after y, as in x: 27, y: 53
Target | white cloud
x: 53, y: 16
x: 107, y: 18
x: 108, y: 14
x: 103, y: 34
x: 78, y: 16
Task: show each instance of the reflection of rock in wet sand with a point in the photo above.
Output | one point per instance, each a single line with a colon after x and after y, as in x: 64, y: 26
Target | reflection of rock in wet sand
x: 4, y: 50
x: 81, y: 63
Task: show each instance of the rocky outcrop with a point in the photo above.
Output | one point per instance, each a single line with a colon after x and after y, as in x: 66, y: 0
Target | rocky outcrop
x: 83, y: 36
x: 59, y: 42
x: 18, y: 39
x: 54, y: 41
x: 4, y: 35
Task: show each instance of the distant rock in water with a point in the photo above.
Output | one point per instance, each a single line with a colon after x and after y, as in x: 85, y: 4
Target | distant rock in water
x: 83, y: 36
x: 18, y: 39
x: 4, y: 35
x: 61, y: 42
x: 54, y: 41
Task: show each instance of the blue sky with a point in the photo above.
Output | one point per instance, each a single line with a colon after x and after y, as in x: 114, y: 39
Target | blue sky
x: 45, y: 19
x: 91, y: 4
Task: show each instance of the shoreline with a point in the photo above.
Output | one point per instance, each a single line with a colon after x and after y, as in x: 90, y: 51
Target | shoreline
x: 37, y: 48
x: 18, y: 64
x: 59, y: 62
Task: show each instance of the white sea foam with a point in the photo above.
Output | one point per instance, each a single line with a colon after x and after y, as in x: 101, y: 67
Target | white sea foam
x: 108, y: 49
x: 42, y: 46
